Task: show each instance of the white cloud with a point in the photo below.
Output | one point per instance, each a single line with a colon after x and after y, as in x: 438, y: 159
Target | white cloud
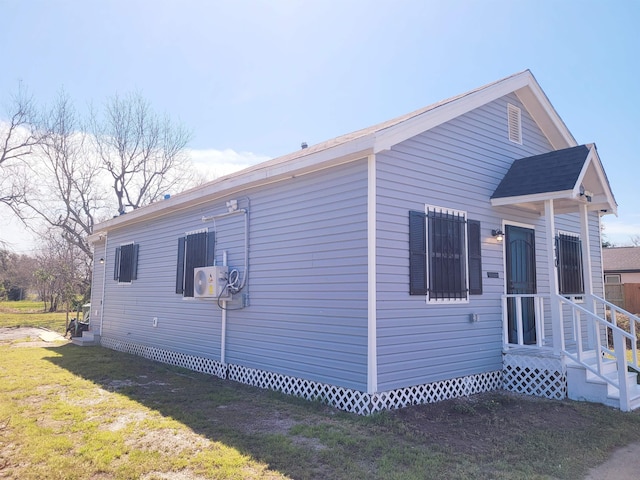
x: 213, y: 163
x: 620, y: 231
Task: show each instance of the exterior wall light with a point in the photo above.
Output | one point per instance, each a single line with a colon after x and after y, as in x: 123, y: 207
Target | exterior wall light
x: 101, y: 261
x: 498, y: 234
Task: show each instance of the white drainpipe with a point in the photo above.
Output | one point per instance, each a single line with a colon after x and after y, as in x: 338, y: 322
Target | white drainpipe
x: 223, y: 327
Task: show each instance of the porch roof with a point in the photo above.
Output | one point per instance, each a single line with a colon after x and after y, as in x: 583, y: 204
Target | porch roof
x: 569, y: 177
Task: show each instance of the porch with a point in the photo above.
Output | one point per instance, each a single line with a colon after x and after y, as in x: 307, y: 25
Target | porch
x: 560, y: 339
x: 591, y: 355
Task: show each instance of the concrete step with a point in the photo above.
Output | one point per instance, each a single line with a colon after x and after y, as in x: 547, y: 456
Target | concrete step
x: 87, y: 339
x: 584, y: 385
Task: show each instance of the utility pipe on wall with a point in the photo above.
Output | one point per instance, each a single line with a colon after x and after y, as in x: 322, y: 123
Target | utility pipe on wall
x: 213, y: 218
x: 223, y: 320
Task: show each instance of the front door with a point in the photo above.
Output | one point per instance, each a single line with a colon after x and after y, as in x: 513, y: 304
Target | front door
x: 520, y: 254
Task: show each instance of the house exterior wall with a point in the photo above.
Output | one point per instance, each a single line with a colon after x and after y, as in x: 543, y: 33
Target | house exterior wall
x: 307, y: 290
x: 304, y: 312
x: 630, y: 277
x: 456, y: 165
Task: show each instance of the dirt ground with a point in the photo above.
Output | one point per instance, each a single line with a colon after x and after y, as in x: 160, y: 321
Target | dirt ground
x: 459, y: 424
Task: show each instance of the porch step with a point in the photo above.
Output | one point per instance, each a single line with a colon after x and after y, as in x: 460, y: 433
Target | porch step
x: 87, y: 339
x: 584, y: 385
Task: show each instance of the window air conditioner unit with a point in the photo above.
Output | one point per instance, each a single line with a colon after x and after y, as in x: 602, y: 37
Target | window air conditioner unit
x: 210, y: 282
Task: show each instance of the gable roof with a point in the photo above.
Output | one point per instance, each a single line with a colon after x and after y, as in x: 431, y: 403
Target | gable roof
x: 621, y: 259
x: 567, y: 176
x: 550, y: 172
x: 361, y: 143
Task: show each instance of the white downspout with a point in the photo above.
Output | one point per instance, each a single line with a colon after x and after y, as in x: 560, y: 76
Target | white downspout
x: 556, y: 308
x: 586, y: 268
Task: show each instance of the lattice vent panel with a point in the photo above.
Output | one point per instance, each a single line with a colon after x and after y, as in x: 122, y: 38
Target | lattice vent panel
x: 538, y: 376
x: 198, y: 364
x: 342, y: 398
x: 437, y: 391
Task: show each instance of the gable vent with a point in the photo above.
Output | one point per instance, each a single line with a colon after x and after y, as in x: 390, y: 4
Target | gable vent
x: 515, y: 123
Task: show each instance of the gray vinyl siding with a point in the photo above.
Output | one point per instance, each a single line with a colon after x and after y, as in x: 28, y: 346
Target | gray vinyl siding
x: 307, y: 284
x: 456, y: 165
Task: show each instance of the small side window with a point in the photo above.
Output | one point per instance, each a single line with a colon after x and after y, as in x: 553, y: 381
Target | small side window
x: 125, y: 268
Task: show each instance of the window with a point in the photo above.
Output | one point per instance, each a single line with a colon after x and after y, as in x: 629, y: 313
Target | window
x: 514, y: 122
x: 195, y: 249
x: 569, y: 261
x: 126, y: 265
x: 613, y: 278
x: 442, y: 264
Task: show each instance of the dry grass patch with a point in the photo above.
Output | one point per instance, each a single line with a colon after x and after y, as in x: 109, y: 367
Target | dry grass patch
x: 92, y: 413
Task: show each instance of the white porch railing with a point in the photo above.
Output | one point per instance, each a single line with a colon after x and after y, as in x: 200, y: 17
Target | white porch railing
x: 594, y: 332
x: 587, y: 323
x: 519, y: 299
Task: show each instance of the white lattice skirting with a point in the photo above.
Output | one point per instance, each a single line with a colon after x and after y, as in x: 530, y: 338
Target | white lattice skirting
x: 533, y: 375
x: 347, y: 399
x: 191, y: 362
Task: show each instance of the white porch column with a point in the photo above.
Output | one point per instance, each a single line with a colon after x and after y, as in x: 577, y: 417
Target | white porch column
x: 586, y: 254
x: 556, y: 312
x: 589, y: 303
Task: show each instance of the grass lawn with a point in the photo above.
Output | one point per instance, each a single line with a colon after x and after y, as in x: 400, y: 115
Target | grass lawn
x: 69, y: 412
x: 30, y: 314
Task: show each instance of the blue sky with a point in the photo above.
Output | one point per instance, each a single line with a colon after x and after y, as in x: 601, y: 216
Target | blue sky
x: 256, y: 78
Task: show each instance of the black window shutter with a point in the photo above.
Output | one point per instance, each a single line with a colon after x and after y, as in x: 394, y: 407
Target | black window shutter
x: 475, y: 257
x: 417, y: 253
x: 211, y: 247
x: 180, y: 266
x: 134, y: 262
x: 116, y: 265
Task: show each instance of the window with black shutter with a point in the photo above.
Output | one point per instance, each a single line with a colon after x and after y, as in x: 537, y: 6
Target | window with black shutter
x: 125, y: 268
x: 569, y: 261
x: 195, y: 249
x: 444, y: 255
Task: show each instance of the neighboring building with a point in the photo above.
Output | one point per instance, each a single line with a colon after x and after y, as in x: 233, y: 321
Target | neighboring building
x: 408, y: 262
x: 622, y: 276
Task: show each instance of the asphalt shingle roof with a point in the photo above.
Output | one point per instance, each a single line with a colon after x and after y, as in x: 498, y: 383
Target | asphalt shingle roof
x: 621, y: 259
x: 550, y: 172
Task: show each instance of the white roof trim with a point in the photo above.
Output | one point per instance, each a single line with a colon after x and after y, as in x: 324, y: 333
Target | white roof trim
x: 523, y: 84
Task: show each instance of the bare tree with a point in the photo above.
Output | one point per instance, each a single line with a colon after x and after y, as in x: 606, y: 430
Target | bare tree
x: 635, y: 240
x: 61, y: 274
x: 17, y: 140
x: 66, y: 192
x: 143, y: 153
